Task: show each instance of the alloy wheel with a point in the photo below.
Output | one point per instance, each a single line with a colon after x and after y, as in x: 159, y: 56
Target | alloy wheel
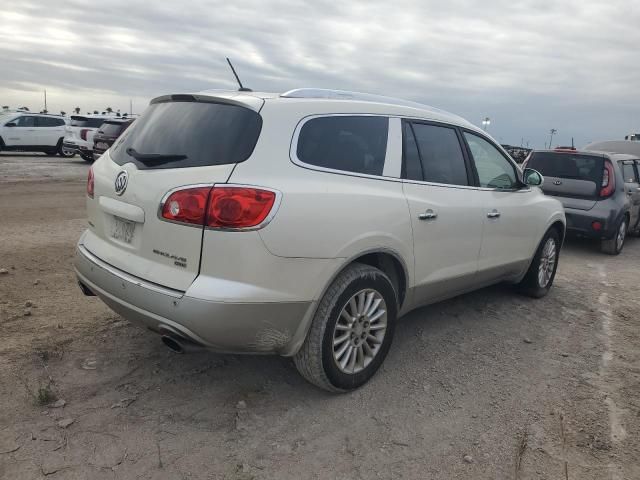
x: 547, y: 262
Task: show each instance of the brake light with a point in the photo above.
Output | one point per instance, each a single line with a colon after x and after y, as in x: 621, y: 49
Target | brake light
x: 608, y: 180
x: 83, y: 133
x: 187, y: 205
x: 239, y: 207
x: 220, y: 206
x: 90, y: 183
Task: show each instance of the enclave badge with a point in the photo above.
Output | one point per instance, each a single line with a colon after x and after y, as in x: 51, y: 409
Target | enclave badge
x: 121, y: 182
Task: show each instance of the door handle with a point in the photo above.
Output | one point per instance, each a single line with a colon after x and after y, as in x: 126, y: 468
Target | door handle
x: 428, y: 215
x: 493, y: 214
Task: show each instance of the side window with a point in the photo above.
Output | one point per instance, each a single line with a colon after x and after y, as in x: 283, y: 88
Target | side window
x: 628, y: 172
x: 411, y: 168
x: 494, y: 170
x: 440, y: 154
x: 25, y: 121
x: 350, y: 143
x: 44, y: 122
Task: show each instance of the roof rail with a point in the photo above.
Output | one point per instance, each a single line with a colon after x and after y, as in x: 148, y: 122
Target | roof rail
x: 358, y: 96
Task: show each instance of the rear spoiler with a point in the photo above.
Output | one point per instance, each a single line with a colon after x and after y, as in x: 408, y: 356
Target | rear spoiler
x: 238, y: 99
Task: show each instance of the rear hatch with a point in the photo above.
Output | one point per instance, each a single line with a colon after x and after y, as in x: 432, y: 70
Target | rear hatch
x: 80, y: 123
x: 574, y: 178
x: 178, y: 141
x: 108, y: 132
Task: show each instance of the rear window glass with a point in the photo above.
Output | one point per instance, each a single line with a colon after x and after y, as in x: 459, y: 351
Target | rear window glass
x: 351, y: 143
x: 111, y: 129
x: 567, y: 165
x: 86, y: 122
x: 205, y: 133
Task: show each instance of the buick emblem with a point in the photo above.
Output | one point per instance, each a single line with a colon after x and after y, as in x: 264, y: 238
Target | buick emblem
x: 121, y: 182
x: 557, y: 182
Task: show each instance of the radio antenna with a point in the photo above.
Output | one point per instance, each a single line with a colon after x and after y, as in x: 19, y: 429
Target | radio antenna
x: 242, y: 88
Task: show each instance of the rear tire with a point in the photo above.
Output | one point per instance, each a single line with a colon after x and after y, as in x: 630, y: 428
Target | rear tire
x: 351, y: 331
x: 65, y: 153
x: 87, y: 158
x: 542, y: 271
x: 613, y: 246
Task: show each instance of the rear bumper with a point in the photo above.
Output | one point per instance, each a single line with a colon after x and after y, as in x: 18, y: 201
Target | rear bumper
x: 219, y: 326
x: 580, y: 222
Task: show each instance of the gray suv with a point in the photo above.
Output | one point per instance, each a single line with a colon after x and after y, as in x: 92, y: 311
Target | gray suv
x: 600, y: 192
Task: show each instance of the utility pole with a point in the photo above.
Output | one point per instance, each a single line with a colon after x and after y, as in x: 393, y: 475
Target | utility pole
x: 45, y: 100
x: 130, y: 106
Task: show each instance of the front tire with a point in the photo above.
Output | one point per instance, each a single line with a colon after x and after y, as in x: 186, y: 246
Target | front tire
x: 542, y: 271
x: 613, y: 246
x: 351, y: 332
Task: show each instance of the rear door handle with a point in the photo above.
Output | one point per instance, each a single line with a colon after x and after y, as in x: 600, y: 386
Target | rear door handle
x: 428, y: 215
x: 493, y: 214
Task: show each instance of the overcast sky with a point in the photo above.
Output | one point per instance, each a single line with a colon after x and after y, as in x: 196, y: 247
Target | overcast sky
x: 528, y: 65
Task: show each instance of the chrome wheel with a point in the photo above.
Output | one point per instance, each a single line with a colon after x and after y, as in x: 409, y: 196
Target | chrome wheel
x: 622, y: 233
x: 547, y: 262
x: 359, y: 331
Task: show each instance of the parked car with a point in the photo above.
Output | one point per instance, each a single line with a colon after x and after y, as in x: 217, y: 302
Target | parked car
x: 108, y: 133
x: 31, y: 132
x: 79, y: 134
x: 600, y: 192
x: 616, y: 146
x: 305, y: 224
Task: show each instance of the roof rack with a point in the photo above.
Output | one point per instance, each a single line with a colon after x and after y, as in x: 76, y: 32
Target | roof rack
x: 358, y: 96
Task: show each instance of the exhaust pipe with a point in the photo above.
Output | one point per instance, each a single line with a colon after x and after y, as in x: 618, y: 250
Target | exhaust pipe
x: 173, y: 344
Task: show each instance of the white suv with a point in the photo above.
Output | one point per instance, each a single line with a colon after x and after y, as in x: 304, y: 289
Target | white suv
x: 305, y: 224
x: 31, y: 132
x: 79, y: 135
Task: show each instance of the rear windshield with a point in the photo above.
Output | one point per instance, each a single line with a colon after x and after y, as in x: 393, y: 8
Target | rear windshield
x: 111, y: 129
x: 568, y: 165
x: 86, y: 122
x: 201, y: 133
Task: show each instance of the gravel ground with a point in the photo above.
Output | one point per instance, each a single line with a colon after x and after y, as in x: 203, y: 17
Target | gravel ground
x: 490, y: 385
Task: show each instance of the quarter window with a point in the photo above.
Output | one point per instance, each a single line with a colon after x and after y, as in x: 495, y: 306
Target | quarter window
x: 440, y: 154
x: 494, y: 170
x: 350, y: 143
x: 629, y: 173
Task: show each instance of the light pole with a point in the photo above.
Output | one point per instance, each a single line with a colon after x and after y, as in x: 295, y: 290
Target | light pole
x: 485, y: 123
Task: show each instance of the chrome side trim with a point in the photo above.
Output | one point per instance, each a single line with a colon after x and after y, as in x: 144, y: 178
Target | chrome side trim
x: 126, y: 277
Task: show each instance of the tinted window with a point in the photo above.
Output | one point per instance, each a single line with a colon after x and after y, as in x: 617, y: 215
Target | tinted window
x: 355, y: 144
x: 440, y: 154
x: 494, y: 170
x: 568, y: 165
x: 86, y: 122
x: 629, y: 173
x: 111, y: 129
x: 50, y: 122
x: 411, y: 168
x: 25, y: 122
x: 207, y: 133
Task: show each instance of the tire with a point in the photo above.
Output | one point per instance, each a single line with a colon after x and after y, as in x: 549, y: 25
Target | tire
x: 65, y: 153
x: 614, y: 245
x: 50, y: 152
x: 539, y: 278
x: 87, y: 158
x: 316, y: 360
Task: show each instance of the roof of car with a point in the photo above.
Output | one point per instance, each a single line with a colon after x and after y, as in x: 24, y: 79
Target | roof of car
x: 339, y: 98
x: 594, y: 153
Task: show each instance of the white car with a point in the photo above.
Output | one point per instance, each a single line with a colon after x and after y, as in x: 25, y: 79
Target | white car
x: 305, y: 224
x: 79, y: 134
x: 33, y: 132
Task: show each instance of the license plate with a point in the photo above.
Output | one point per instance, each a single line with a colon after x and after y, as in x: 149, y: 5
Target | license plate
x: 102, y: 145
x: 122, y: 230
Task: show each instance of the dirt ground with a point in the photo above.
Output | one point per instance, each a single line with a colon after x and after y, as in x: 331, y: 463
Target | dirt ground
x: 490, y: 385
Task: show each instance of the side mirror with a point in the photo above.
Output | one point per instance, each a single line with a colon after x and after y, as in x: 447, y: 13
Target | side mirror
x: 10, y: 124
x: 532, y: 177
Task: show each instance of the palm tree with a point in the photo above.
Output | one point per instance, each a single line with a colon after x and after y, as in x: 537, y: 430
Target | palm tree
x: 77, y: 110
x: 553, y: 131
x: 109, y: 110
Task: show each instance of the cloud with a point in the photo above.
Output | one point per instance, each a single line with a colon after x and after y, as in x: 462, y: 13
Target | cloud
x: 529, y: 65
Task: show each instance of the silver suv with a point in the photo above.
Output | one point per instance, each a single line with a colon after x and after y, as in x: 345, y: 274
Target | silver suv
x: 305, y: 224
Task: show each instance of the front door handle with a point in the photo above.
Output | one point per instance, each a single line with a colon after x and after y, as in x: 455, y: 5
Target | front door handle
x: 493, y: 214
x: 428, y: 215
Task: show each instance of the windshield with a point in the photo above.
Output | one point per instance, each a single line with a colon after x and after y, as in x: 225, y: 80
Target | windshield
x: 568, y: 165
x: 195, y: 134
x: 111, y: 129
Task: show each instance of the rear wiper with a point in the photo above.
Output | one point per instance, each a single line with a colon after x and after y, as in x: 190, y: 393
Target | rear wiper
x: 154, y: 157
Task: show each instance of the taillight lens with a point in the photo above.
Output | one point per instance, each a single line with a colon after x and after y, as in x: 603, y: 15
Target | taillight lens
x: 187, y: 206
x: 83, y: 133
x: 608, y: 180
x: 90, y: 183
x: 239, y: 207
x: 220, y: 206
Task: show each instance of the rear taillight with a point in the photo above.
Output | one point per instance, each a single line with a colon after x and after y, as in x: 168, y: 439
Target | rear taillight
x: 239, y: 207
x: 187, y: 206
x: 608, y: 180
x: 90, y: 183
x: 83, y: 133
x: 225, y: 207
